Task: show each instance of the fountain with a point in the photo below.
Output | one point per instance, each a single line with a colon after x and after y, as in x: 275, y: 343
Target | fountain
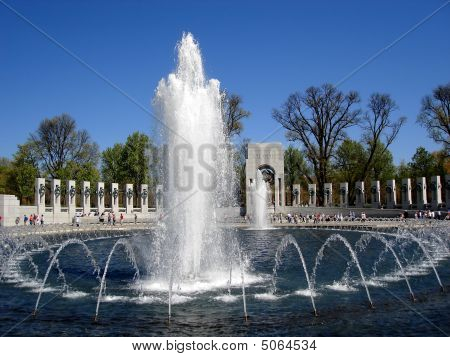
x: 126, y: 245
x: 204, y: 267
x: 365, y: 240
x: 207, y: 302
x: 22, y: 248
x: 426, y: 254
x: 289, y: 240
x: 197, y: 168
x: 259, y: 202
x: 320, y: 255
x: 55, y: 261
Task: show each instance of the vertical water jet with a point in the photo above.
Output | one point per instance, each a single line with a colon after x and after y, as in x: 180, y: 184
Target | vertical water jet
x: 197, y: 172
x: 259, y: 202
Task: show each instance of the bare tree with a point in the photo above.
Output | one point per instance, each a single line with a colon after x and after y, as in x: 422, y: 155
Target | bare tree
x: 318, y: 119
x: 435, y: 115
x: 233, y: 114
x: 58, y: 142
x: 380, y: 130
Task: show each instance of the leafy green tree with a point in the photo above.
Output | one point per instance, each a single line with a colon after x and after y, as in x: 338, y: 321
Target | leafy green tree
x: 423, y: 164
x: 296, y: 170
x: 129, y: 162
x: 348, y: 164
x: 442, y: 163
x: 383, y: 167
x: 57, y: 150
x: 5, y: 168
x: 24, y: 170
x: 426, y: 164
x: 350, y: 161
x: 111, y: 166
x: 135, y: 159
x: 402, y: 171
x: 81, y: 172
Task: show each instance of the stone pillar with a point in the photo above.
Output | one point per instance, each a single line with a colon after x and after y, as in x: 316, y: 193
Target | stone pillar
x: 296, y: 194
x: 115, y: 197
x: 144, y: 198
x: 129, y: 193
x: 277, y: 191
x: 406, y: 193
x: 312, y: 194
x: 359, y: 193
x: 375, y: 194
x: 10, y: 211
x: 159, y: 197
x: 86, y: 197
x: 71, y: 198
x: 282, y: 191
x: 391, y: 194
x: 56, y: 196
x: 343, y: 194
x: 328, y: 195
x: 248, y: 196
x: 447, y: 191
x: 436, y: 196
x: 39, y: 195
x: 421, y: 191
x: 100, y: 197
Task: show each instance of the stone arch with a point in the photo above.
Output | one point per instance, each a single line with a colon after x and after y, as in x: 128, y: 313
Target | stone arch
x: 270, y: 158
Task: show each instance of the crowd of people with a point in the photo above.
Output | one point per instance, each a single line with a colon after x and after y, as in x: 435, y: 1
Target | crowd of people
x: 428, y: 214
x: 339, y: 217
x: 108, y: 218
x: 33, y: 220
x: 314, y: 217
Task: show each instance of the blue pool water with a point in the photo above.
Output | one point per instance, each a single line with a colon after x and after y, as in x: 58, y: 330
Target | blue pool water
x: 206, y: 308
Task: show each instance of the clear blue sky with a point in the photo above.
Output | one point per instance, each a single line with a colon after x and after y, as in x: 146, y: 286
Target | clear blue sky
x: 260, y: 50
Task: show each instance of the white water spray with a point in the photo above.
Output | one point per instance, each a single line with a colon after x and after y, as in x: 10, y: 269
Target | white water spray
x: 259, y: 202
x: 197, y: 173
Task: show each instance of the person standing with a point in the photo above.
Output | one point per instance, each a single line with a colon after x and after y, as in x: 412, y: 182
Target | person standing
x: 135, y: 218
x: 42, y: 219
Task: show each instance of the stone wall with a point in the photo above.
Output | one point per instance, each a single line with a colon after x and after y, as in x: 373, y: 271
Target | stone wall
x: 10, y: 208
